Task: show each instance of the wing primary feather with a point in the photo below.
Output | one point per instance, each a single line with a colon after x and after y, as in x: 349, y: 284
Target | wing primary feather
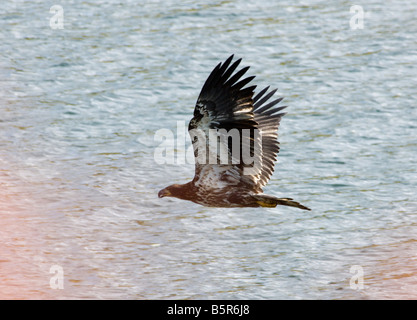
x: 236, y: 76
x: 260, y: 94
x: 248, y: 91
x: 232, y: 68
x: 264, y: 99
x: 270, y: 105
x: 225, y: 65
x: 210, y: 79
x: 242, y: 83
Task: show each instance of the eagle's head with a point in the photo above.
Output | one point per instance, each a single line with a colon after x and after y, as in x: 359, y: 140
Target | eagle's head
x: 171, y: 191
x: 181, y: 191
x: 166, y: 192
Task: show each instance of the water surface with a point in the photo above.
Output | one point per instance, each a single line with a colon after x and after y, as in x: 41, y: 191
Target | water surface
x: 80, y: 107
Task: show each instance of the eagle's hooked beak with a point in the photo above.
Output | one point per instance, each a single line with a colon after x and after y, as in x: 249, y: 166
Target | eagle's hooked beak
x: 164, y: 193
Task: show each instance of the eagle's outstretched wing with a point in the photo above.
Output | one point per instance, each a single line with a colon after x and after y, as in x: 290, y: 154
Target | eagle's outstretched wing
x: 268, y: 119
x: 226, y: 114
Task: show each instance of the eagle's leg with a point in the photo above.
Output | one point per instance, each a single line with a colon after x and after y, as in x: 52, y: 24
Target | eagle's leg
x: 271, y: 202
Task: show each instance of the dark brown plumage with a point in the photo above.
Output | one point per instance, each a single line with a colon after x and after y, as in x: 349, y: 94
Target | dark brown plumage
x: 230, y: 127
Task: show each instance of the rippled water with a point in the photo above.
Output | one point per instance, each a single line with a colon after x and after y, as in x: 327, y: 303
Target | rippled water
x: 78, y: 181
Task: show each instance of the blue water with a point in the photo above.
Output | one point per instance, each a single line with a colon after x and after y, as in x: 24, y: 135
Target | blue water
x: 80, y: 107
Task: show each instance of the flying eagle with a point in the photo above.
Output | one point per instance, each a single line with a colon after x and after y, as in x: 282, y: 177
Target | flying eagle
x: 234, y: 136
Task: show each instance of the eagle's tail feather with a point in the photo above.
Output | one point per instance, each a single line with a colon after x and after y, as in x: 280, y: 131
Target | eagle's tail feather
x: 269, y: 201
